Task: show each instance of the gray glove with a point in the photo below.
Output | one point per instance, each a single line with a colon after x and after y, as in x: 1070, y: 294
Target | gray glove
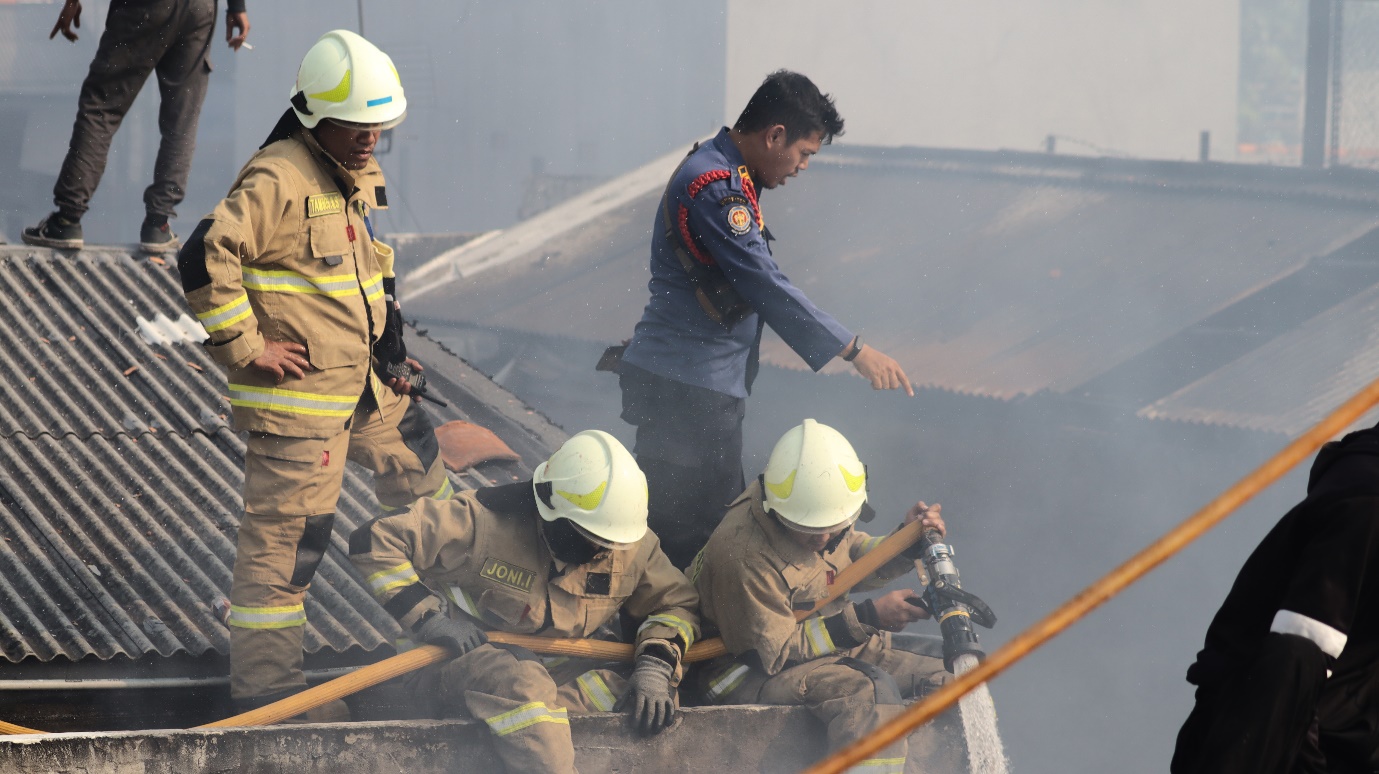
x: 457, y: 635
x: 651, y: 699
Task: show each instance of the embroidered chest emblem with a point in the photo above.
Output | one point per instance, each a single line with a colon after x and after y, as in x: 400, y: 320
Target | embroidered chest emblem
x: 324, y: 204
x: 739, y: 220
x: 507, y: 574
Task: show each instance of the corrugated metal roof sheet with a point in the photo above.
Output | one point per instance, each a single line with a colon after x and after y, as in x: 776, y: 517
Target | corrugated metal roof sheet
x: 1289, y: 384
x: 985, y: 273
x: 120, y: 489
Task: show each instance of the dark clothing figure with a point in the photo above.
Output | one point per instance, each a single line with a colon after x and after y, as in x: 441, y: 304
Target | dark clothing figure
x: 171, y: 38
x: 1289, y: 678
x: 685, y: 375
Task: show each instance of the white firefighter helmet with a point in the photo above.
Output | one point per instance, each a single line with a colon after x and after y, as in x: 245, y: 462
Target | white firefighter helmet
x: 346, y: 78
x: 596, y: 484
x: 814, y: 479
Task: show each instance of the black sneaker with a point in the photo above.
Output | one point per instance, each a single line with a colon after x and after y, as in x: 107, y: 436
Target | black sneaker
x: 156, y: 236
x: 55, y: 231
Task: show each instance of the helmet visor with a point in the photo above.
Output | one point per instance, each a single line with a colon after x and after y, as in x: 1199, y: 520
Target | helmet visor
x: 598, y: 541
x: 793, y: 527
x: 355, y: 126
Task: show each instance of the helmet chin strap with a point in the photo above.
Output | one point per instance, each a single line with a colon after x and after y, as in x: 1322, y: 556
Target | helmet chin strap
x: 566, y: 544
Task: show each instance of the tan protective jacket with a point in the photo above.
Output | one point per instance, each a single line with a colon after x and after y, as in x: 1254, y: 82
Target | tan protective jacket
x: 752, y: 578
x: 287, y: 256
x: 480, y: 554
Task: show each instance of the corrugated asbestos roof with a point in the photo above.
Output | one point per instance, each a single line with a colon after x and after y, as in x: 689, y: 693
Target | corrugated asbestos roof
x: 1289, y: 384
x: 120, y: 489
x: 993, y: 274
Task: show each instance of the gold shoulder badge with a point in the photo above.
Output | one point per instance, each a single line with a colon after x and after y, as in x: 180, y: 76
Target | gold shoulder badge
x: 508, y: 575
x: 324, y: 204
x: 739, y: 220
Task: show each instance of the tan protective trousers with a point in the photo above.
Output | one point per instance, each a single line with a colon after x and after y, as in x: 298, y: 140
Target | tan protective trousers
x: 291, y: 486
x: 850, y: 703
x: 525, y: 704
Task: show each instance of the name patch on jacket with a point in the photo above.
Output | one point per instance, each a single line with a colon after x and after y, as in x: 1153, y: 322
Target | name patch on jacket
x: 508, y: 575
x: 324, y: 204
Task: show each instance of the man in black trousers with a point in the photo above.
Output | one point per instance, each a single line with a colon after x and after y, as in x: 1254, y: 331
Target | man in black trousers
x: 171, y: 38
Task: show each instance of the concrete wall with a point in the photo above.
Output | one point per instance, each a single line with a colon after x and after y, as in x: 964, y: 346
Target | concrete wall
x: 737, y: 739
x: 1141, y: 77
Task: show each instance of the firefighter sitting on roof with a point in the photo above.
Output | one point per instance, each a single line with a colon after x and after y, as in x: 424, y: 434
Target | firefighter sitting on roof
x: 560, y: 555
x: 291, y: 291
x: 778, y: 549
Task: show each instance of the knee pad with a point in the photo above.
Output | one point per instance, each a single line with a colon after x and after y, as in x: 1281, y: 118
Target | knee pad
x: 887, y: 690
x: 311, y: 548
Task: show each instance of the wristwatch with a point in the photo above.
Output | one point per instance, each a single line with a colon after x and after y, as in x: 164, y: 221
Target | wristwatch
x: 856, y: 349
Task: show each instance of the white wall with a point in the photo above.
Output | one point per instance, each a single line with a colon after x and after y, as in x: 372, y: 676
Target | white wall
x: 1142, y: 77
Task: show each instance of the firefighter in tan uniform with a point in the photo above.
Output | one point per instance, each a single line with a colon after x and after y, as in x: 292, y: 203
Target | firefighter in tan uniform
x: 561, y: 555
x: 777, y: 551
x: 290, y: 287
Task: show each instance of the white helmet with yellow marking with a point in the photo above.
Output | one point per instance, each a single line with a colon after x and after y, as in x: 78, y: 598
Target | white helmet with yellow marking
x: 593, y: 481
x: 814, y: 480
x: 346, y: 78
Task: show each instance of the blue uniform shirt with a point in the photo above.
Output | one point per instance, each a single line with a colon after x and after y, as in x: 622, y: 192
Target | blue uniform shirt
x: 676, y: 338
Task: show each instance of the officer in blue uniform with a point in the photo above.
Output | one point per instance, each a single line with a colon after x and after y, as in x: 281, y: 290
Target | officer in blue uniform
x: 714, y: 285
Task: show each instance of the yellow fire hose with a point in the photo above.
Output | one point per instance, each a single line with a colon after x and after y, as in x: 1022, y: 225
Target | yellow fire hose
x: 10, y: 728
x: 609, y: 651
x: 1108, y: 586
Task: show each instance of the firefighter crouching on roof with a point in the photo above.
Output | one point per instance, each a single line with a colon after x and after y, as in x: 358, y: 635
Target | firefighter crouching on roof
x: 777, y: 550
x: 558, y: 556
x: 289, y: 285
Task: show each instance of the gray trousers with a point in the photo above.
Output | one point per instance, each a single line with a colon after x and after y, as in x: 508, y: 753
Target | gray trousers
x: 170, y: 37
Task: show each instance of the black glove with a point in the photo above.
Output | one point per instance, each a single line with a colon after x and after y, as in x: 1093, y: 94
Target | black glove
x: 389, y: 348
x: 650, y: 699
x: 458, y: 636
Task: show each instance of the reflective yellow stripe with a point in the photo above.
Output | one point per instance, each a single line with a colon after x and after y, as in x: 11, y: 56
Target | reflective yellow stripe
x: 593, y: 687
x: 392, y: 578
x: 880, y: 766
x: 816, y: 634
x: 870, y: 543
x: 463, y: 601
x: 267, y: 617
x: 373, y: 288
x: 446, y: 491
x: 224, y: 316
x: 673, y: 621
x: 526, y: 716
x: 727, y: 681
x: 284, y: 281
x: 292, y: 401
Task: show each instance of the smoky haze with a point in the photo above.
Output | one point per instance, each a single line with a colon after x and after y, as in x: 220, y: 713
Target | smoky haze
x: 1042, y: 494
